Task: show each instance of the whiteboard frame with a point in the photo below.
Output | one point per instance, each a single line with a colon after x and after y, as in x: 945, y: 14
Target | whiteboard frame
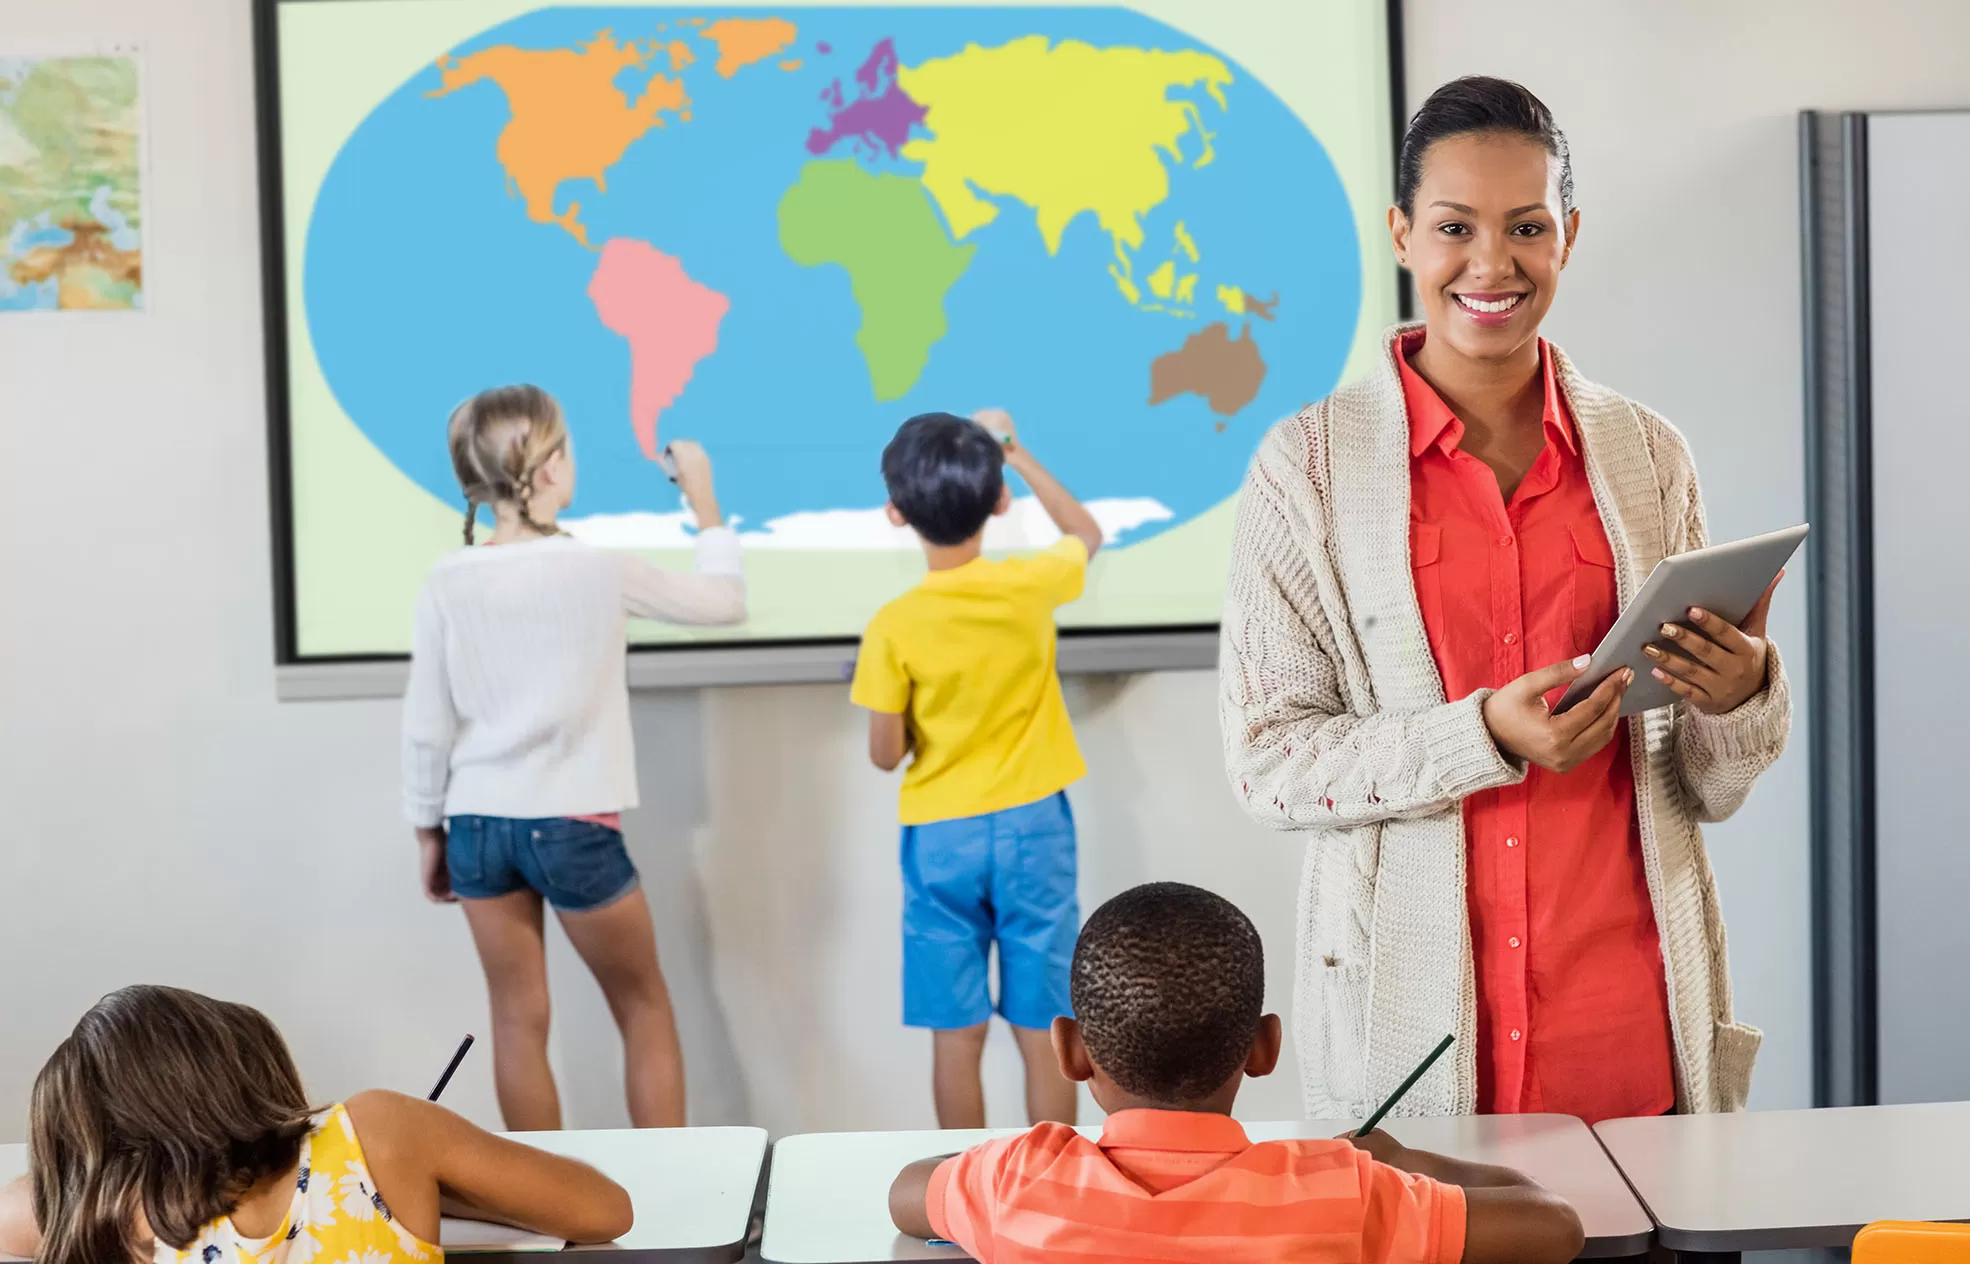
x: 298, y: 677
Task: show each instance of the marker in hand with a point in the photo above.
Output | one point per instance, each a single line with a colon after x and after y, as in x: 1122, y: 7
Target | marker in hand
x: 667, y: 463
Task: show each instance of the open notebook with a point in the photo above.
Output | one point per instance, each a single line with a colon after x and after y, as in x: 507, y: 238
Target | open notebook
x: 462, y: 1237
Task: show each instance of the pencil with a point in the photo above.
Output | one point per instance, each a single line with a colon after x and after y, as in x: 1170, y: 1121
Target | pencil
x: 457, y: 1058
x: 1405, y: 1086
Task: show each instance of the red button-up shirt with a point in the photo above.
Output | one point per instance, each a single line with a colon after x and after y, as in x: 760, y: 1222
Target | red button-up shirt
x: 1572, y: 1014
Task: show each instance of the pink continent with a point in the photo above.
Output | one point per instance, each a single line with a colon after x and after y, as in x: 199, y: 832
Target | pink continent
x: 669, y: 320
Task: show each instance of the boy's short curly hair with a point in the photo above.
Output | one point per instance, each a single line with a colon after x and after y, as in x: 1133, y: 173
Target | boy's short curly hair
x: 1168, y: 985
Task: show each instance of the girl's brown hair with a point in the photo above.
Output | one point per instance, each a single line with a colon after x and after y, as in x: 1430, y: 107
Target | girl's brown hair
x: 499, y: 440
x: 161, y: 1101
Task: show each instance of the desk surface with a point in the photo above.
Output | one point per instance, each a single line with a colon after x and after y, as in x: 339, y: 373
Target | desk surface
x: 692, y: 1187
x: 1783, y: 1179
x: 828, y: 1200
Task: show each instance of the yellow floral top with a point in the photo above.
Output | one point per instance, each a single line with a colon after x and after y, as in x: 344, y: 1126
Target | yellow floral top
x: 337, y: 1217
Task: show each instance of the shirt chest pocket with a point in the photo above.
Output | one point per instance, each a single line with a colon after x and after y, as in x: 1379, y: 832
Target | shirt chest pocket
x: 1426, y: 566
x: 1595, y: 603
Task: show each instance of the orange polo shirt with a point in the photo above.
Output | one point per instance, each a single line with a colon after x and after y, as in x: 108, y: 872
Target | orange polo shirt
x: 1184, y: 1185
x: 1572, y: 1014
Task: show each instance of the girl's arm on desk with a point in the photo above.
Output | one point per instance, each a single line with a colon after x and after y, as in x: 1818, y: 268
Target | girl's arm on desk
x: 425, y: 1159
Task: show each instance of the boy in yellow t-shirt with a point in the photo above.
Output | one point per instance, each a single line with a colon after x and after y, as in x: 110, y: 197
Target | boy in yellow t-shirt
x: 960, y: 671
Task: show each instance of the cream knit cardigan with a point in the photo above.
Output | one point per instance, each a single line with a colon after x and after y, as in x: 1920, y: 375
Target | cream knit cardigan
x: 1335, y: 725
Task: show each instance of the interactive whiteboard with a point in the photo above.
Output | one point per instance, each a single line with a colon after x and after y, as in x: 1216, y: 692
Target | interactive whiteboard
x: 1149, y: 233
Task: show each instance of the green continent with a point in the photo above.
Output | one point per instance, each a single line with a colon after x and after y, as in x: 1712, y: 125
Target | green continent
x: 884, y: 232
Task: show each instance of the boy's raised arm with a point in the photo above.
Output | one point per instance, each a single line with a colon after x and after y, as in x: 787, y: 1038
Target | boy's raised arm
x: 1067, y: 513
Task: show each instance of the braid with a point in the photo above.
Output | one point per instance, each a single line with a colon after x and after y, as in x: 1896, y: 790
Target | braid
x: 525, y: 501
x: 471, y: 519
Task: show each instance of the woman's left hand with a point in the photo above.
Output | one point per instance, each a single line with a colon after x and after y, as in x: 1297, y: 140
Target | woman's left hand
x: 1717, y: 667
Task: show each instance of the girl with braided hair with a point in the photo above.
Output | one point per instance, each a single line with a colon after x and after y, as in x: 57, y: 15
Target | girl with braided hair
x: 517, y: 751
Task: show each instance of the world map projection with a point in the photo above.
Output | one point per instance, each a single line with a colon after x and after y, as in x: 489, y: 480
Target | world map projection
x: 782, y: 232
x: 782, y: 235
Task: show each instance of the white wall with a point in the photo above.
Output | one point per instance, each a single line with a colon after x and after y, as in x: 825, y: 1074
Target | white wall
x: 1684, y: 292
x: 165, y: 819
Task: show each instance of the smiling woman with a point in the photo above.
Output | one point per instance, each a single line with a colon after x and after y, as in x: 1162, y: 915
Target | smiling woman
x: 1411, y: 555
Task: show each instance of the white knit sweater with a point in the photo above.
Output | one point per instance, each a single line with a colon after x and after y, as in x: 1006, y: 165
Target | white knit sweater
x: 518, y: 702
x: 1335, y: 724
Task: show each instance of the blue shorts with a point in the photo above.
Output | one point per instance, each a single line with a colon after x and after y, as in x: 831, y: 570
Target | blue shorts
x: 577, y: 865
x: 1006, y: 877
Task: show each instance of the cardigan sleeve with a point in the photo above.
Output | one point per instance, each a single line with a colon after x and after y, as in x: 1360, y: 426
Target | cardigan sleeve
x: 1297, y: 756
x: 1718, y: 758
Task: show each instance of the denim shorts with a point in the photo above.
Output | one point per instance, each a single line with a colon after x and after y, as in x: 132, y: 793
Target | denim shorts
x: 577, y: 866
x: 1005, y: 878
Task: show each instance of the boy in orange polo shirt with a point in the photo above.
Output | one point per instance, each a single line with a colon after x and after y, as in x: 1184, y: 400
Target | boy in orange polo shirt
x: 1168, y: 985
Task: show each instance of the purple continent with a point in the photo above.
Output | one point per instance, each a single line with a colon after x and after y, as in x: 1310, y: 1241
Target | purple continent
x: 881, y: 116
x: 880, y: 66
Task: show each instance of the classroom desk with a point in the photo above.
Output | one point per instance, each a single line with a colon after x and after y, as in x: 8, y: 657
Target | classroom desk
x: 827, y: 1200
x: 692, y: 1189
x: 1717, y: 1185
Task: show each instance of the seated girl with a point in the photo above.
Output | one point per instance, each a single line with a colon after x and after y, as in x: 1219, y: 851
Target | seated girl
x: 173, y: 1127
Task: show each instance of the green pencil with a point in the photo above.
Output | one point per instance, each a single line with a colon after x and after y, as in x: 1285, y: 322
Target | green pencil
x: 1405, y: 1086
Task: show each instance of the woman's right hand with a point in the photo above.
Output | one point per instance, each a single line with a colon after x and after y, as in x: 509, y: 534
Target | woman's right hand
x: 694, y: 480
x: 1523, y: 725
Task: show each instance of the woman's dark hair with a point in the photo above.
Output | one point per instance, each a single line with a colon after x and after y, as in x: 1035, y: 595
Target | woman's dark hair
x: 944, y: 475
x: 1477, y: 104
x: 161, y: 1100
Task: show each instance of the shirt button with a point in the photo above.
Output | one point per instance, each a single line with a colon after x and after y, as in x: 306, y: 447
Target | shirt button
x: 1515, y: 1033
x: 1504, y: 542
x: 1511, y: 842
x: 1511, y: 638
x: 1513, y: 941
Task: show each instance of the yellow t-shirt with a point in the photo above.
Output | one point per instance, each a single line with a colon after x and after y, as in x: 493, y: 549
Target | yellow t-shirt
x: 969, y: 654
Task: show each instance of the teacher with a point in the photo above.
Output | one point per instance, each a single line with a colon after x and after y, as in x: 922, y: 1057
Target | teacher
x: 1411, y: 554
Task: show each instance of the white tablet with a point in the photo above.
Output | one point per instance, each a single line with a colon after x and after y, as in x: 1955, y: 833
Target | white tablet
x: 1725, y: 579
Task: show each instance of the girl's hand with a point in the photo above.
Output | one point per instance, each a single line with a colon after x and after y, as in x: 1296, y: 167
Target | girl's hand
x: 1717, y: 667
x: 431, y: 863
x: 694, y: 480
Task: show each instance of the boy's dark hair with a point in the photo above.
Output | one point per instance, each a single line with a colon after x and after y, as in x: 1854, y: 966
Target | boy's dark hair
x: 1168, y: 985
x: 1472, y: 105
x: 944, y: 475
